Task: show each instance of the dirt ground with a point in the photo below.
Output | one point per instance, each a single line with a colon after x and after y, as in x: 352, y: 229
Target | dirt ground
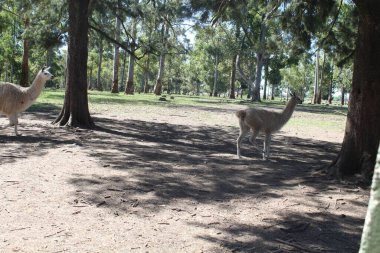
x: 166, y: 179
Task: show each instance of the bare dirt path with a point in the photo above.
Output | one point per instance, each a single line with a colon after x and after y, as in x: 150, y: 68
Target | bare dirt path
x: 166, y: 179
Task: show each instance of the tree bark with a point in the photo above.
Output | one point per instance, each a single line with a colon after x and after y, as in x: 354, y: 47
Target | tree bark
x: 75, y: 111
x: 362, y: 135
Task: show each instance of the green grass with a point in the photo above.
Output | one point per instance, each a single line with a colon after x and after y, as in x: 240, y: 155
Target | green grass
x: 308, y: 116
x: 56, y: 98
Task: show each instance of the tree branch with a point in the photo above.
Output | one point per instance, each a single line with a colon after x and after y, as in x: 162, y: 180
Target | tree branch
x: 122, y: 45
x: 241, y: 73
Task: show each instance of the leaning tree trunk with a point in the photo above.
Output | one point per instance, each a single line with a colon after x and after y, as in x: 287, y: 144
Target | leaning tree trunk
x: 362, y: 132
x: 75, y: 108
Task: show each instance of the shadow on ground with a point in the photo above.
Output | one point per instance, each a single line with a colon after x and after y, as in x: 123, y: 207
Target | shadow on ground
x: 165, y: 163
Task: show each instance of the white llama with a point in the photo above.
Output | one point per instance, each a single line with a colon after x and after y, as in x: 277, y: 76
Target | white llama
x: 15, y: 99
x: 265, y: 121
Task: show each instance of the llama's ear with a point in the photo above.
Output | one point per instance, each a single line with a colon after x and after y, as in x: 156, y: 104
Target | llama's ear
x: 47, y: 68
x: 291, y: 93
x: 43, y: 68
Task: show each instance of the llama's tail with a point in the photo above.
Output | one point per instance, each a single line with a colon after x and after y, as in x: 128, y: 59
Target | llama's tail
x: 241, y: 114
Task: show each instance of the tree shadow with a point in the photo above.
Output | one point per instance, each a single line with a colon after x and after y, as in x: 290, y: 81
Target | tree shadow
x: 294, y: 232
x: 159, y: 164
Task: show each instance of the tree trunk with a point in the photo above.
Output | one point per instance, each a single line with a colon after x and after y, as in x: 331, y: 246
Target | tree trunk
x: 130, y: 86
x: 49, y: 63
x: 316, y: 78
x: 215, y: 89
x: 362, y: 133
x: 24, y: 80
x: 116, y: 55
x: 322, y: 79
x: 146, y: 75
x: 160, y: 75
x: 260, y: 63
x: 75, y: 108
x: 343, y: 93
x: 89, y: 86
x: 124, y: 64
x: 266, y: 80
x: 99, y: 85
x: 370, y: 242
x: 330, y: 98
x: 6, y: 72
x: 233, y: 77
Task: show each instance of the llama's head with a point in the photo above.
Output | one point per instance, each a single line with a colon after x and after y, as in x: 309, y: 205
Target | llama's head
x: 45, y: 74
x: 297, y: 98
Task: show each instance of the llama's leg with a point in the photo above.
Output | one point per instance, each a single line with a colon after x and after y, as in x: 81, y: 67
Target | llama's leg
x: 13, y: 121
x: 244, y: 129
x: 252, y: 138
x: 266, y: 150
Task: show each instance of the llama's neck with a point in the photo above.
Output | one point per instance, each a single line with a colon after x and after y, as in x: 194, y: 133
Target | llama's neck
x: 35, y: 89
x: 288, y: 110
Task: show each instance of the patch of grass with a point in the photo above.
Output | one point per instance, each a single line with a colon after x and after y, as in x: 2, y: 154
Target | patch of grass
x: 104, y: 99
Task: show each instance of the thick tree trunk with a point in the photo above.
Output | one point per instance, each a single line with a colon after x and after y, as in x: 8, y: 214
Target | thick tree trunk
x: 116, y: 56
x: 75, y: 108
x: 233, y: 77
x: 362, y: 132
